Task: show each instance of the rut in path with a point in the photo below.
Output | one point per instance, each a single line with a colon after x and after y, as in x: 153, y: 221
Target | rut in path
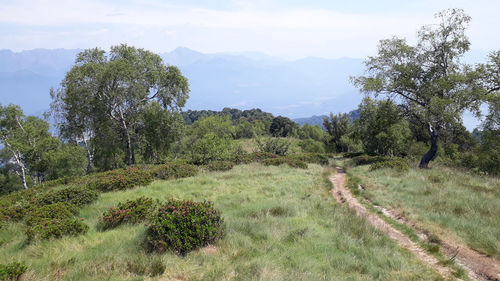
x: 343, y: 195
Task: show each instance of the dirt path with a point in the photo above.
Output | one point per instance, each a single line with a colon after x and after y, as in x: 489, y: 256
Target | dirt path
x: 343, y: 195
x: 478, y: 266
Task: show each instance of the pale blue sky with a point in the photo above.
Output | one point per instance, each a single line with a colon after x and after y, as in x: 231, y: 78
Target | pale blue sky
x: 285, y: 28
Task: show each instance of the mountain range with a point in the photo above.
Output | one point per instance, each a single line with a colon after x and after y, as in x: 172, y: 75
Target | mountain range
x: 292, y: 88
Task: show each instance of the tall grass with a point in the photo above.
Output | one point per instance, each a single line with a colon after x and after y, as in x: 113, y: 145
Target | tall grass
x: 281, y: 224
x: 464, y: 206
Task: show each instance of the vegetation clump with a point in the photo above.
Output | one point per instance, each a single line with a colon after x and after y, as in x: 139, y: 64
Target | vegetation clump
x: 12, y: 271
x: 283, y: 160
x: 121, y: 179
x: 367, y: 160
x: 56, y: 228
x: 220, y: 166
x: 76, y: 195
x: 131, y: 211
x: 61, y: 210
x: 182, y: 226
x: 316, y: 158
x: 273, y: 145
x: 397, y: 164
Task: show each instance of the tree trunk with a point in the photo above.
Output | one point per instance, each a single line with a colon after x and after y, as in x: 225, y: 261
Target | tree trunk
x: 89, y: 155
x: 130, y: 149
x: 431, y: 154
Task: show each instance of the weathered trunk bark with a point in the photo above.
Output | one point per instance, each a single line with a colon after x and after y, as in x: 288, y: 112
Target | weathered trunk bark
x: 431, y: 154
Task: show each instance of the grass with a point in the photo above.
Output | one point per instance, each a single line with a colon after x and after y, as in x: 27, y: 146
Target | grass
x: 462, y: 206
x: 281, y: 224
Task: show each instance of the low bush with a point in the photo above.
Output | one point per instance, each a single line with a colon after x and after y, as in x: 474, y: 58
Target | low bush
x: 283, y: 160
x: 273, y: 145
x: 182, y: 226
x: 397, y: 164
x: 59, y: 181
x: 316, y: 158
x: 353, y: 154
x: 56, y: 228
x: 258, y: 156
x: 121, y: 179
x: 312, y: 146
x: 12, y: 213
x: 60, y: 211
x: 76, y: 195
x: 367, y: 160
x: 131, y: 211
x: 12, y: 271
x: 219, y: 166
x: 174, y: 171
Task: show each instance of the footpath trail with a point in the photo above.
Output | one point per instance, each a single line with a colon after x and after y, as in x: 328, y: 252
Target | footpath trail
x: 344, y: 196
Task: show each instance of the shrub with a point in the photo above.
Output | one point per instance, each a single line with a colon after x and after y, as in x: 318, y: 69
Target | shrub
x: 316, y: 158
x: 273, y: 145
x: 312, y: 146
x: 12, y: 271
x: 219, y: 166
x: 366, y: 160
x: 174, y: 171
x: 283, y: 160
x: 131, y: 211
x: 353, y: 154
x: 182, y: 226
x: 210, y: 148
x: 56, y: 228
x: 76, y: 195
x: 397, y: 164
x: 12, y: 213
x: 59, y: 181
x: 60, y: 211
x: 121, y: 179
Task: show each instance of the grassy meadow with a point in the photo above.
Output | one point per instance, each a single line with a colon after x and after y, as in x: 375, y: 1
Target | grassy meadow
x: 281, y: 224
x: 460, y: 205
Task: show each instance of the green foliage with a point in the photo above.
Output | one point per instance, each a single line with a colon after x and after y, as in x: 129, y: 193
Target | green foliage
x: 285, y: 160
x: 142, y: 266
x: 56, y: 228
x: 76, y: 195
x: 182, y: 226
x: 174, y: 171
x: 397, y: 164
x: 366, y: 160
x: 12, y: 271
x: 310, y: 145
x: 316, y: 158
x: 312, y: 132
x: 211, y: 148
x: 273, y: 145
x: 68, y: 160
x: 337, y: 126
x: 221, y: 126
x: 382, y: 129
x: 121, y: 179
x: 219, y: 166
x: 131, y: 211
x: 59, y: 211
x: 283, y: 127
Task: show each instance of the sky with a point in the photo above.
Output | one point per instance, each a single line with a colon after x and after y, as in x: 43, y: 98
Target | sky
x: 284, y: 28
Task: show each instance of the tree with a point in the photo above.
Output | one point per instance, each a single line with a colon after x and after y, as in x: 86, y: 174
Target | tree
x: 382, y: 128
x: 110, y: 93
x: 337, y: 126
x: 428, y: 80
x: 283, y: 127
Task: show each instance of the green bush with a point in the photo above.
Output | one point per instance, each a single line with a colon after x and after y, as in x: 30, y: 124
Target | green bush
x: 76, y: 195
x: 312, y: 146
x: 367, y: 160
x: 59, y: 181
x: 60, y: 211
x: 219, y: 166
x: 12, y: 213
x: 12, y: 271
x: 273, y: 145
x: 283, y: 160
x: 353, y: 154
x: 131, y: 211
x: 182, y: 226
x: 258, y: 156
x: 56, y: 228
x: 316, y: 158
x: 174, y: 171
x: 397, y: 164
x: 210, y: 148
x: 121, y: 179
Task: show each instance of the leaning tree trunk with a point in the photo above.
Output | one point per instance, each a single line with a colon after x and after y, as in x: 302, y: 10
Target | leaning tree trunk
x: 431, y: 154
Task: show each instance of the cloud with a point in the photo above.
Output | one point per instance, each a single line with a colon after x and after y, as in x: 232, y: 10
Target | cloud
x: 273, y: 27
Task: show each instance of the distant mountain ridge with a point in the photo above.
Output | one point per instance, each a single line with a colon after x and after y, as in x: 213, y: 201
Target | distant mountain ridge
x: 318, y: 120
x: 305, y: 87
